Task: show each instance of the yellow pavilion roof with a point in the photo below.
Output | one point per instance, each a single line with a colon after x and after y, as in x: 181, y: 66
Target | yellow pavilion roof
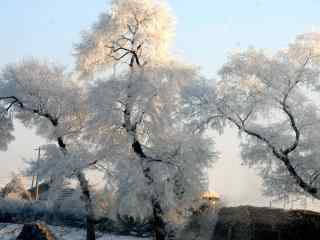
x: 210, y: 195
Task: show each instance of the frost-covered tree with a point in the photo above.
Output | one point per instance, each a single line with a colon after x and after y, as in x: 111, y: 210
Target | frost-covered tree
x: 41, y: 95
x: 134, y: 119
x: 273, y: 99
x: 143, y: 28
x: 130, y: 119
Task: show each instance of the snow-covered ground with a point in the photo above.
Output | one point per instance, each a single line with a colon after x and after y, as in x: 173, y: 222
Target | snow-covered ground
x: 11, y: 231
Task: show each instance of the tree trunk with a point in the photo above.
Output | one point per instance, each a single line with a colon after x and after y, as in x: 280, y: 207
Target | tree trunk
x: 84, y: 185
x: 81, y: 177
x: 308, y: 188
x: 283, y: 156
x: 158, y: 223
x: 91, y: 235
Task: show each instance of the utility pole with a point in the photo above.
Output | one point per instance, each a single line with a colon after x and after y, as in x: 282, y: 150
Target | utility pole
x: 32, y: 183
x: 37, y: 174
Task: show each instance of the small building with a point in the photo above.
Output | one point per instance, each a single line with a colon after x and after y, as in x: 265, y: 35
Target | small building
x: 16, y: 189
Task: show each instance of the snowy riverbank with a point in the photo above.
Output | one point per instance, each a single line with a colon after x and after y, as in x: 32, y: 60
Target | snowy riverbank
x: 11, y: 231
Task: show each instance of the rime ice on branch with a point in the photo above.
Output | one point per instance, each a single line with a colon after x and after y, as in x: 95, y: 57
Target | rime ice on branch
x: 273, y: 101
x: 135, y: 118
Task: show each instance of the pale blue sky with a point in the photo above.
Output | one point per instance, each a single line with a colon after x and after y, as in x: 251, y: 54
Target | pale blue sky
x: 207, y: 30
